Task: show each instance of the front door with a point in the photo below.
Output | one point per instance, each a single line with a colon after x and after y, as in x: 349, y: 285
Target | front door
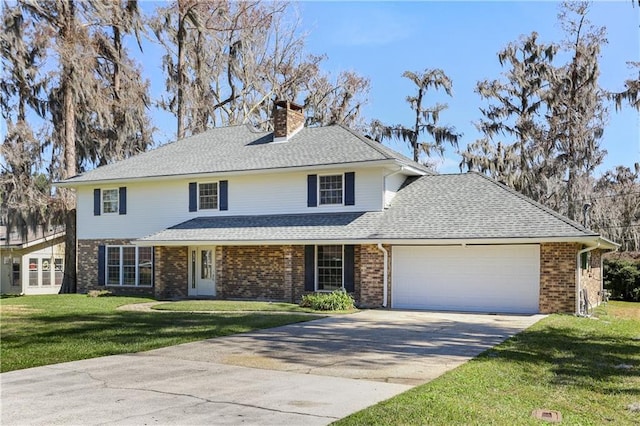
x: 202, y: 274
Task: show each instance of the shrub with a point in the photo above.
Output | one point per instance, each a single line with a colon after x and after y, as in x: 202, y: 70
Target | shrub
x: 338, y: 300
x: 622, y: 279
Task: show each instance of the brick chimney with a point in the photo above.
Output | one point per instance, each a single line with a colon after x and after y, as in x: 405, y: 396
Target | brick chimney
x: 288, y: 119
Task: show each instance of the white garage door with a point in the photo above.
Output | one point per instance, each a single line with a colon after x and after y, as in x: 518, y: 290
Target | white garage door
x: 471, y: 278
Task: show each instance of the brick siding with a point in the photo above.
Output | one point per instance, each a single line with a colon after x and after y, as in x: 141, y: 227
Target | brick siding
x: 371, y: 276
x: 88, y: 269
x: 171, y: 272
x: 558, y: 277
x: 591, y: 278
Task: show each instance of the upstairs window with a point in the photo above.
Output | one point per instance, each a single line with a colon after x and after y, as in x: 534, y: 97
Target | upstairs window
x: 110, y: 200
x: 330, y: 189
x: 208, y: 196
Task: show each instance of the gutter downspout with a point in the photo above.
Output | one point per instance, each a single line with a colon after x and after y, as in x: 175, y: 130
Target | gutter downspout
x: 385, y: 281
x: 578, y: 275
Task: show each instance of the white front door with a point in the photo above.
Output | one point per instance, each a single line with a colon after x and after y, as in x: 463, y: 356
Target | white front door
x: 202, y: 274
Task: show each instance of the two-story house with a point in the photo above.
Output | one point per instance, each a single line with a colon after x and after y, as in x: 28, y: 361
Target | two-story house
x: 237, y: 214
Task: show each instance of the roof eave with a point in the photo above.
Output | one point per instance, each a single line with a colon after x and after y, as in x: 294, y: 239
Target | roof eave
x: 70, y: 183
x: 589, y: 240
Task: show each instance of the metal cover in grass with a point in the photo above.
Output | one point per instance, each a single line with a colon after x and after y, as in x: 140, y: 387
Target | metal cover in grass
x: 547, y: 415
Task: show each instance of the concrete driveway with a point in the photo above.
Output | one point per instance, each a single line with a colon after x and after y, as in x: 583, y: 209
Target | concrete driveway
x: 311, y: 373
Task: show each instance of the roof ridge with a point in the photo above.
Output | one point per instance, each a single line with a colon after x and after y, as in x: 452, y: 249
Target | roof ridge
x: 534, y: 203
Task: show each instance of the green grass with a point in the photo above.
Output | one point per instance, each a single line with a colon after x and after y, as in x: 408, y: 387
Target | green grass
x: 230, y: 305
x: 562, y: 363
x: 42, y: 330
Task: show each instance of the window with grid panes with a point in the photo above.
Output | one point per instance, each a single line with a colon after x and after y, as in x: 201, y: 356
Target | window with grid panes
x: 208, y: 196
x: 330, y: 189
x: 329, y: 264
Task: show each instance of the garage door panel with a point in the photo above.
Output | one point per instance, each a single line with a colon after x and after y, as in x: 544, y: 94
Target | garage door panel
x: 473, y: 278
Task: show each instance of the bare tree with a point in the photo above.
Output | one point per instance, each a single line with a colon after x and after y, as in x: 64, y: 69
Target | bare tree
x: 615, y: 206
x: 426, y: 117
x: 95, y: 102
x: 576, y: 108
x: 631, y: 94
x: 336, y: 102
x: 512, y: 149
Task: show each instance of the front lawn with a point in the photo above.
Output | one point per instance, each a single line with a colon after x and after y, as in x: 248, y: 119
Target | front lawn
x: 230, y: 305
x: 42, y: 330
x: 587, y: 369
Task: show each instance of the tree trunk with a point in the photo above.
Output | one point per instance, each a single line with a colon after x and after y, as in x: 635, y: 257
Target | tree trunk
x: 70, y: 154
x: 180, y: 69
x: 69, y: 282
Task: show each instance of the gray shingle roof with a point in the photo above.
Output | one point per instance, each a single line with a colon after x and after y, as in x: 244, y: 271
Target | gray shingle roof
x: 239, y: 148
x: 470, y: 206
x: 434, y: 207
x: 273, y: 228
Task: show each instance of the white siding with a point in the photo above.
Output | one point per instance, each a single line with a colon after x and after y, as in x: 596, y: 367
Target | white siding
x: 393, y: 183
x: 154, y: 206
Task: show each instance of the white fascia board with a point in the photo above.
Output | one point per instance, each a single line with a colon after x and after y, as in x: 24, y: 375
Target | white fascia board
x: 355, y: 165
x: 587, y: 240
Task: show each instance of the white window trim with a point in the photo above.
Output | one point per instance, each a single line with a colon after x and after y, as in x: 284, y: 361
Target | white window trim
x: 102, y: 192
x: 320, y: 204
x: 217, y: 197
x: 121, y: 268
x: 317, y: 268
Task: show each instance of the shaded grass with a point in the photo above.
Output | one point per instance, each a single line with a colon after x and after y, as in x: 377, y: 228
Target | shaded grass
x: 42, y: 330
x: 231, y: 305
x: 588, y: 369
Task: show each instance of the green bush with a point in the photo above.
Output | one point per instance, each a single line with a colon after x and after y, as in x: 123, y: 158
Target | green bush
x: 338, y: 300
x: 622, y: 279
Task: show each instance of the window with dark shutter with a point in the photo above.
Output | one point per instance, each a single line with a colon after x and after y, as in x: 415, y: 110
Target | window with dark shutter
x: 349, y: 189
x: 224, y: 194
x: 309, y: 268
x: 349, y: 268
x: 122, y: 194
x: 312, y: 190
x: 193, y: 196
x: 97, y: 200
x: 101, y: 264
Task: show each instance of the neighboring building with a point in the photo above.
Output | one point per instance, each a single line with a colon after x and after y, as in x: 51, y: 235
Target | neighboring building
x: 33, y: 264
x: 238, y: 214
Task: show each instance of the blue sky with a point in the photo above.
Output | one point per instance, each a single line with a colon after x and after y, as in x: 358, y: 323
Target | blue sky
x: 381, y: 40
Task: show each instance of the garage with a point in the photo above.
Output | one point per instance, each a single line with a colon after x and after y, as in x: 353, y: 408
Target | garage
x: 475, y: 278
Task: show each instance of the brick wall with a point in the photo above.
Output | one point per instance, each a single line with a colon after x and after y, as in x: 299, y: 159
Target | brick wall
x: 171, y: 272
x: 591, y: 278
x: 253, y: 272
x: 558, y: 277
x: 371, y: 276
x: 88, y: 269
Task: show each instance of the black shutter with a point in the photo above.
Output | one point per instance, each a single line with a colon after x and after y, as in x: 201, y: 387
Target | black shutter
x: 349, y: 189
x: 223, y: 186
x: 96, y: 202
x: 193, y: 196
x: 349, y: 268
x: 153, y: 266
x: 309, y: 268
x: 312, y: 190
x: 101, y: 265
x: 122, y: 205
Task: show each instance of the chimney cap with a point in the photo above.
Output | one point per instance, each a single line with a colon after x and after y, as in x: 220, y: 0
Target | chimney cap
x: 289, y: 104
